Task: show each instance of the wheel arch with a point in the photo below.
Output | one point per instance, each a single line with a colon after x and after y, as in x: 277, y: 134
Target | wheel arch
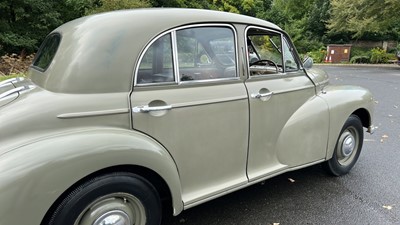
x: 344, y: 101
x: 154, y: 178
x: 41, y: 171
x: 364, y: 116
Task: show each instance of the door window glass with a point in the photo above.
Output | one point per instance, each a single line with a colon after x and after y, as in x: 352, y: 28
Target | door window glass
x: 156, y: 65
x: 206, y: 53
x: 264, y: 52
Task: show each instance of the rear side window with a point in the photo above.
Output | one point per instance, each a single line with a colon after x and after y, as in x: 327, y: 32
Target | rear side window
x: 47, y: 51
x: 189, y: 54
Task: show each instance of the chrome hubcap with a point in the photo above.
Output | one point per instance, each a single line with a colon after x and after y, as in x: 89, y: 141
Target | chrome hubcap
x: 115, y: 217
x: 113, y: 209
x: 348, y: 145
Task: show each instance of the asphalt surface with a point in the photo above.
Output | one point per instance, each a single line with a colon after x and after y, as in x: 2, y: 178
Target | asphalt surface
x: 369, y: 194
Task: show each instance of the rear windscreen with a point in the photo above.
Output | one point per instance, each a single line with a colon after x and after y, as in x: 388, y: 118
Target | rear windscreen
x: 47, y: 51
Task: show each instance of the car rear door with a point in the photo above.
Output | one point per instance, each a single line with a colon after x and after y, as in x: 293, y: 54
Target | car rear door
x: 188, y: 96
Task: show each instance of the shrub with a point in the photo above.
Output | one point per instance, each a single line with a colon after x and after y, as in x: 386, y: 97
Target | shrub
x: 359, y: 51
x: 14, y: 64
x: 379, y: 55
x: 359, y: 59
x: 318, y: 56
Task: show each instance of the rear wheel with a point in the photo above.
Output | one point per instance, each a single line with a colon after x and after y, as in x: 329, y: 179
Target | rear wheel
x: 348, y: 147
x: 112, y: 199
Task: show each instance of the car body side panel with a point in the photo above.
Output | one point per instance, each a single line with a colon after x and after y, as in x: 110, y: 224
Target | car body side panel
x: 303, y: 139
x: 269, y: 118
x: 35, y: 175
x: 206, y: 131
x: 343, y: 101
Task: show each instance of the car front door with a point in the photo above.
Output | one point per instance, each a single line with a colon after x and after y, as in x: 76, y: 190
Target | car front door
x: 189, y: 97
x: 288, y: 122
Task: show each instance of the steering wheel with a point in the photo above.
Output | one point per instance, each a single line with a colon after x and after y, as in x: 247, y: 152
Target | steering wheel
x: 265, y: 62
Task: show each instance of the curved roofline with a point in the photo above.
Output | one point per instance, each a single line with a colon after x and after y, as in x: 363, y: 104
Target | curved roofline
x: 106, y: 46
x: 186, y: 16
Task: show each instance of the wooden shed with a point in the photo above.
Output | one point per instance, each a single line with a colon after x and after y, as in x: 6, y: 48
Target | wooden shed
x: 338, y: 53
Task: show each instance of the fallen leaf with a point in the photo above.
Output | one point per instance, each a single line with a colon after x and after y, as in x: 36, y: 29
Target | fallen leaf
x: 384, y: 137
x: 376, y: 102
x: 291, y: 180
x: 388, y: 207
x: 275, y: 223
x: 390, y: 115
x: 395, y: 106
x: 367, y: 140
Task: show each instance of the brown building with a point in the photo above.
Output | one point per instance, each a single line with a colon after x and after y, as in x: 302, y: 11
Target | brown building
x: 338, y: 53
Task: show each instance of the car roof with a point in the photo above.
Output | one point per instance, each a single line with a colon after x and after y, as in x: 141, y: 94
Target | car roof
x: 104, y: 47
x: 172, y: 17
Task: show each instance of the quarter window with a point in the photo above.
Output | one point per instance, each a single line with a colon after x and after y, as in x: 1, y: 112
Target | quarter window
x: 290, y: 62
x: 156, y: 65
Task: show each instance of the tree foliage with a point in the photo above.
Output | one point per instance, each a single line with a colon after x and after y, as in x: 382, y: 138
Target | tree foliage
x: 365, y: 18
x: 310, y: 23
x: 23, y: 23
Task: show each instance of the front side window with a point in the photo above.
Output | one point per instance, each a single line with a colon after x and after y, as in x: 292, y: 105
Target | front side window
x: 206, y: 53
x: 47, y: 51
x: 264, y: 52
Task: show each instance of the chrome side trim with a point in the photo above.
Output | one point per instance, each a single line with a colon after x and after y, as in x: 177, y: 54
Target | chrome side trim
x: 206, y: 102
x: 11, y: 80
x: 92, y: 113
x: 294, y: 89
x: 16, y: 90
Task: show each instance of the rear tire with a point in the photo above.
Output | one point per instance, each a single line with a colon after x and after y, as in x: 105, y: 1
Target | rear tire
x: 117, y: 198
x: 348, y: 147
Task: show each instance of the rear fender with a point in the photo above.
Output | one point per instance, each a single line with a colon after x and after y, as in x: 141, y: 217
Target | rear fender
x: 35, y: 175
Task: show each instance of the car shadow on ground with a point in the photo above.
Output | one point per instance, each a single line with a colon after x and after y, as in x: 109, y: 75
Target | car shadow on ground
x: 244, y: 206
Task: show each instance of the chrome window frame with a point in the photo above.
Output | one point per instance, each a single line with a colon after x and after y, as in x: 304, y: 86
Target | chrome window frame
x: 40, y: 51
x: 175, y: 61
x: 143, y: 53
x: 290, y: 47
x: 247, y: 50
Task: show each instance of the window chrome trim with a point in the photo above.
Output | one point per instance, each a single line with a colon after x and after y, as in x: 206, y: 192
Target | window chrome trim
x: 290, y: 47
x: 235, y: 40
x: 247, y: 50
x: 175, y: 62
x: 143, y: 52
x: 40, y: 51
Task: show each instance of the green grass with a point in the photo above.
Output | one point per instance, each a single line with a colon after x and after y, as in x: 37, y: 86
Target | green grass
x: 5, y: 77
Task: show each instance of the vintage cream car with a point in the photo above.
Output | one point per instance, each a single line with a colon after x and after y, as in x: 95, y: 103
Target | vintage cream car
x: 130, y: 112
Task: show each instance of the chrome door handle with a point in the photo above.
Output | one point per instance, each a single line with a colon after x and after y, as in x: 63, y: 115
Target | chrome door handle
x: 146, y: 108
x: 263, y: 95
